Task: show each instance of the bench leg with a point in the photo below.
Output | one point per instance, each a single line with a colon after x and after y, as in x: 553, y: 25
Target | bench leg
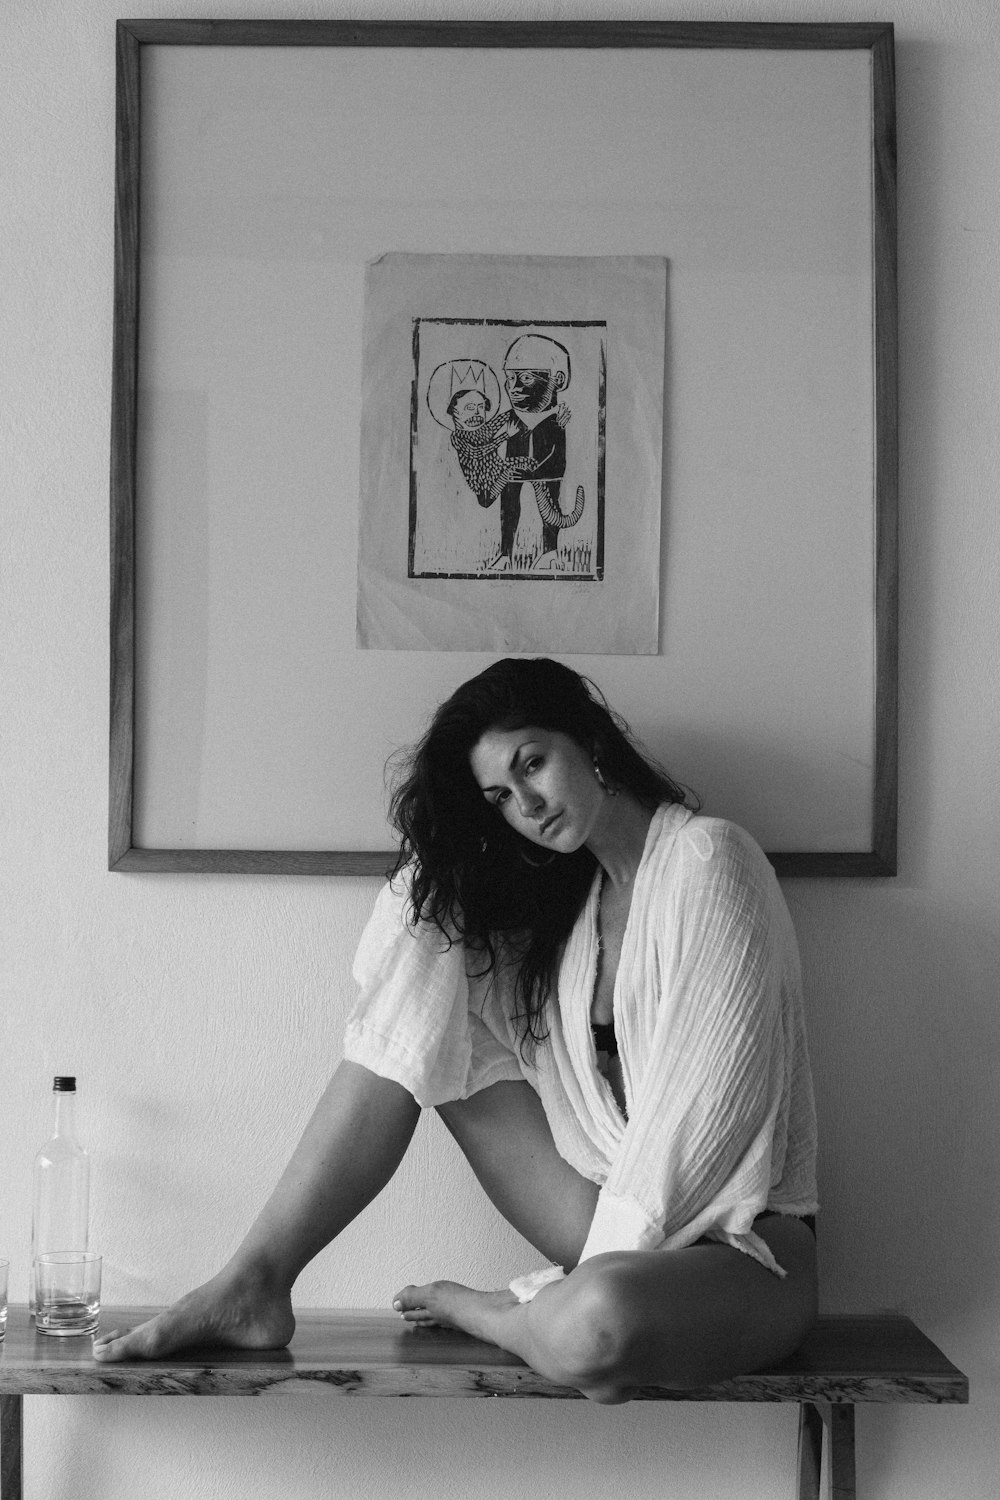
x: 839, y: 1418
x: 810, y: 1451
x: 11, y: 1430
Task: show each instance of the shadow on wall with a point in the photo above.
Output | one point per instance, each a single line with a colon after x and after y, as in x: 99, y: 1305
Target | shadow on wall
x: 904, y: 1029
x: 904, y: 1033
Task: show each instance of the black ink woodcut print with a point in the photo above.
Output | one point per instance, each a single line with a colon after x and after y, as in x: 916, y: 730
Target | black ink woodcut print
x: 507, y: 450
x: 511, y: 453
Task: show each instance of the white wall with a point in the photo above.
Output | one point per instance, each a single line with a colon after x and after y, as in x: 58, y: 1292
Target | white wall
x: 203, y: 1014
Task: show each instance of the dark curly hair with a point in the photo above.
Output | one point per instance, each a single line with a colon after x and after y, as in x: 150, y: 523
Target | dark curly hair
x: 471, y: 874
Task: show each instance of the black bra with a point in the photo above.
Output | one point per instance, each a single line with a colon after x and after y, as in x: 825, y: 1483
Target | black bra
x: 605, y: 1039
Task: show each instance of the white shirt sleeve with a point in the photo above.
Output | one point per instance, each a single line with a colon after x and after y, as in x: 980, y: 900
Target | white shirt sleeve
x: 696, y: 1155
x: 412, y: 1021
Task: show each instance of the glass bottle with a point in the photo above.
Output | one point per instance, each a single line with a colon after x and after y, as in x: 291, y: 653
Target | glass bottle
x: 61, y: 1189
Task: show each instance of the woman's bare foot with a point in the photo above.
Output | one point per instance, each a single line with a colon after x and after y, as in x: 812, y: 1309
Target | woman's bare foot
x: 235, y: 1310
x: 448, y: 1304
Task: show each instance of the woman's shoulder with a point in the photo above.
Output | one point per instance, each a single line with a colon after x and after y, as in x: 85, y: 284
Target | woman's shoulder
x: 710, y: 845
x: 713, y: 871
x: 701, y: 833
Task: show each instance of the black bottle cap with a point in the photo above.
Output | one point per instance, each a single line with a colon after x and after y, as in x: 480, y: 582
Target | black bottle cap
x: 64, y: 1085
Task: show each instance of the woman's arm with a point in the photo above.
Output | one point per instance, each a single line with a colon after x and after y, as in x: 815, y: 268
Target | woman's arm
x: 707, y: 1131
x: 353, y: 1144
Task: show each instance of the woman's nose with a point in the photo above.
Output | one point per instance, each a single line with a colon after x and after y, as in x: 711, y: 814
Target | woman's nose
x: 528, y: 802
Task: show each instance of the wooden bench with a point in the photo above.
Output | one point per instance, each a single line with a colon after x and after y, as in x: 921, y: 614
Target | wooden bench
x: 843, y: 1361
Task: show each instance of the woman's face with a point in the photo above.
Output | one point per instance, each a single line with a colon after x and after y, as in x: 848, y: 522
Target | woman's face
x: 543, y: 783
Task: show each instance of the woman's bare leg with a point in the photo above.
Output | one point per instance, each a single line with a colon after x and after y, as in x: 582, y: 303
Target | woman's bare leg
x: 635, y: 1318
x: 351, y: 1147
x: 506, y: 1138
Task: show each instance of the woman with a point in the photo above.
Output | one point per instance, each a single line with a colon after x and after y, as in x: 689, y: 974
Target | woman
x: 598, y: 990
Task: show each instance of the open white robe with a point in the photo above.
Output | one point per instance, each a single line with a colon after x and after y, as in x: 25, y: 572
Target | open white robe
x: 719, y: 1123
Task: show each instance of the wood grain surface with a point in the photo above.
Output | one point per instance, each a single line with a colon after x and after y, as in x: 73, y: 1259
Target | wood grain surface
x: 844, y: 1359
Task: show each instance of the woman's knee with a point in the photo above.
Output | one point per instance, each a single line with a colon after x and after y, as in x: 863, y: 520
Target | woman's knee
x: 613, y: 1325
x: 793, y: 1245
x: 591, y: 1330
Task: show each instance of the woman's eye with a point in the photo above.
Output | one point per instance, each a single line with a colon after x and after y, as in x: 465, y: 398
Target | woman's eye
x: 534, y: 763
x: 500, y: 799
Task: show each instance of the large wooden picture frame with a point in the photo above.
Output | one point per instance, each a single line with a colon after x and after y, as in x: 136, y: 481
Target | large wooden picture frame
x: 250, y: 85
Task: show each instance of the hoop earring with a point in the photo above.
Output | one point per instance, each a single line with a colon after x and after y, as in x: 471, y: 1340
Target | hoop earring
x: 537, y: 864
x: 610, y: 791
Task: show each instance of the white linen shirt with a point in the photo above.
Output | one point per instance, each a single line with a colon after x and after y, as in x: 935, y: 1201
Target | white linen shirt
x: 719, y: 1121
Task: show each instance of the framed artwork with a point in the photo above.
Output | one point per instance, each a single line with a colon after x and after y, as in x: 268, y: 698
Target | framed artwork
x: 441, y: 341
x: 504, y: 484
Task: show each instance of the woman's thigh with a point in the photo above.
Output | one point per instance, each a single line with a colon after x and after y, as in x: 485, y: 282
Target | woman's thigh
x: 696, y: 1316
x: 505, y: 1136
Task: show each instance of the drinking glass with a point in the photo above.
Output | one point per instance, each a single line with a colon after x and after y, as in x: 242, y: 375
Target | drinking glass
x: 4, y: 1268
x: 68, y: 1292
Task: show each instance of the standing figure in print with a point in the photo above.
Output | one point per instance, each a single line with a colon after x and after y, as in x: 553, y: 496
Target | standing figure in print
x: 536, y: 372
